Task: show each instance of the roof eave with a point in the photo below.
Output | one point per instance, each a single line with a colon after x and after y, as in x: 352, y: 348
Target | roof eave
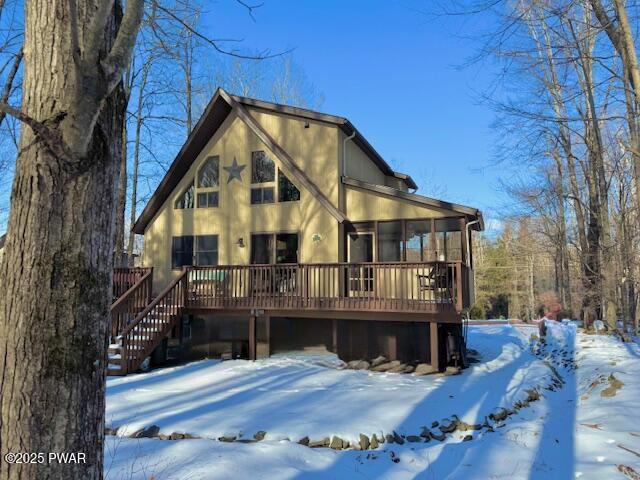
x: 208, y: 124
x: 463, y: 210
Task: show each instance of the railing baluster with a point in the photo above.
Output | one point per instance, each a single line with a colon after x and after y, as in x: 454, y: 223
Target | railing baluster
x: 366, y: 286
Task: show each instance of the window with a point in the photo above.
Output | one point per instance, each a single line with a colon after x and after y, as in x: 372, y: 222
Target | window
x: 448, y: 240
x: 206, y: 250
x: 287, y: 191
x: 418, y: 238
x: 269, y: 248
x: 207, y: 199
x: 209, y: 174
x: 200, y: 250
x: 390, y: 241
x: 261, y: 248
x: 448, y: 246
x: 263, y: 170
x: 182, y: 252
x: 262, y: 195
x: 286, y: 248
x: 186, y: 199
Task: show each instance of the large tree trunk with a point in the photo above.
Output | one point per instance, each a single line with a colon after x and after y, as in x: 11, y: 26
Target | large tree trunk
x: 118, y: 255
x: 57, y: 269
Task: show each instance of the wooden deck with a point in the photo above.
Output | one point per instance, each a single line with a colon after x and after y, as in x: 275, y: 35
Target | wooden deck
x: 429, y: 288
x: 433, y: 292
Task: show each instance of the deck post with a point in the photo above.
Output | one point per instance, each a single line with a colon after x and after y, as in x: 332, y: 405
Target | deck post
x: 267, y: 325
x: 433, y: 339
x: 392, y: 343
x: 252, y: 336
x: 463, y: 239
x: 334, y: 336
x: 459, y: 299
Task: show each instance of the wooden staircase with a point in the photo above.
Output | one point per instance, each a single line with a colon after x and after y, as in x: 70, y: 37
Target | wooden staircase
x: 136, y: 332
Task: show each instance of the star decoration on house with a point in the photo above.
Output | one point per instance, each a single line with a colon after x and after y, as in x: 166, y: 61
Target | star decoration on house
x: 235, y: 171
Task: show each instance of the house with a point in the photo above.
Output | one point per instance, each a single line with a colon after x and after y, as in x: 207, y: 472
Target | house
x: 281, y: 228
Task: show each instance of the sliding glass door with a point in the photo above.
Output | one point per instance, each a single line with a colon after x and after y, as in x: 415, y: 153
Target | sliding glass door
x: 279, y: 249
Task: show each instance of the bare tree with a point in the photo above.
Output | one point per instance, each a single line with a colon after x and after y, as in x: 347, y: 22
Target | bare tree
x: 568, y: 110
x: 57, y: 267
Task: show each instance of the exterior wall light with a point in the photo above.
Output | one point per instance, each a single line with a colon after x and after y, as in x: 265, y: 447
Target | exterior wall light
x: 241, y: 242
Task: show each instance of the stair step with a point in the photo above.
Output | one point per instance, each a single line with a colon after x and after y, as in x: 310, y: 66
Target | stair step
x: 148, y: 326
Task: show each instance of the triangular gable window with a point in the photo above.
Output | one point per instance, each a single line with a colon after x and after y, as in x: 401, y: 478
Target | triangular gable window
x: 287, y: 191
x: 186, y: 199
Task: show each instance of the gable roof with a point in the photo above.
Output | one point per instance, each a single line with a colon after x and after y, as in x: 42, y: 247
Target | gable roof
x: 421, y: 199
x: 218, y: 109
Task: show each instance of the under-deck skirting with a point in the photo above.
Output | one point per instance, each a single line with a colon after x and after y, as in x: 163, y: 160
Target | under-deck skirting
x: 255, y: 335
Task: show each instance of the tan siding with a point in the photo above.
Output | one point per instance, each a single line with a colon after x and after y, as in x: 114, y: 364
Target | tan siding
x: 314, y: 149
x: 236, y: 217
x: 364, y: 205
x: 361, y: 167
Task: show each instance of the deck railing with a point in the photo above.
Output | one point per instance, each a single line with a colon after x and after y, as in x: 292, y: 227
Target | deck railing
x: 152, y: 324
x: 387, y: 287
x: 125, y: 278
x: 131, y: 303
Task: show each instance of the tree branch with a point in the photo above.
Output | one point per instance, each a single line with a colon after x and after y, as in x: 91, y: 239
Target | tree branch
x: 213, y: 42
x: 250, y: 8
x: 608, y: 25
x: 94, y: 43
x: 75, y: 47
x: 120, y: 54
x: 8, y: 86
x: 41, y: 130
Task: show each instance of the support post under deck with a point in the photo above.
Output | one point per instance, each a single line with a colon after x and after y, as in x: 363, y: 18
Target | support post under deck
x: 433, y: 339
x: 252, y: 337
x: 267, y: 321
x: 334, y: 336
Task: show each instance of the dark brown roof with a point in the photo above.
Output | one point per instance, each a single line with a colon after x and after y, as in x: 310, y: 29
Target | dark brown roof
x: 213, y: 117
x: 463, y: 210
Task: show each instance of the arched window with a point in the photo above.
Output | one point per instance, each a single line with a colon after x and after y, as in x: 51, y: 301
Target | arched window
x: 209, y: 174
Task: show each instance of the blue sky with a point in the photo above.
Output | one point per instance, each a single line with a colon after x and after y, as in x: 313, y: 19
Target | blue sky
x: 395, y: 74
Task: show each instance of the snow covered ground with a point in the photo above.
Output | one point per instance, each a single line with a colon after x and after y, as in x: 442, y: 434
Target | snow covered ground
x: 571, y: 432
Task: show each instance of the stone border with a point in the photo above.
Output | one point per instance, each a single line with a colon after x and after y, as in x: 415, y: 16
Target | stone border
x: 446, y: 427
x: 382, y: 364
x: 438, y: 431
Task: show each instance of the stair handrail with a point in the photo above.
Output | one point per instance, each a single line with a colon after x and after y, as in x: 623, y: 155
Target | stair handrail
x: 154, y: 303
x: 119, y: 272
x: 131, y: 290
x: 131, y: 302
